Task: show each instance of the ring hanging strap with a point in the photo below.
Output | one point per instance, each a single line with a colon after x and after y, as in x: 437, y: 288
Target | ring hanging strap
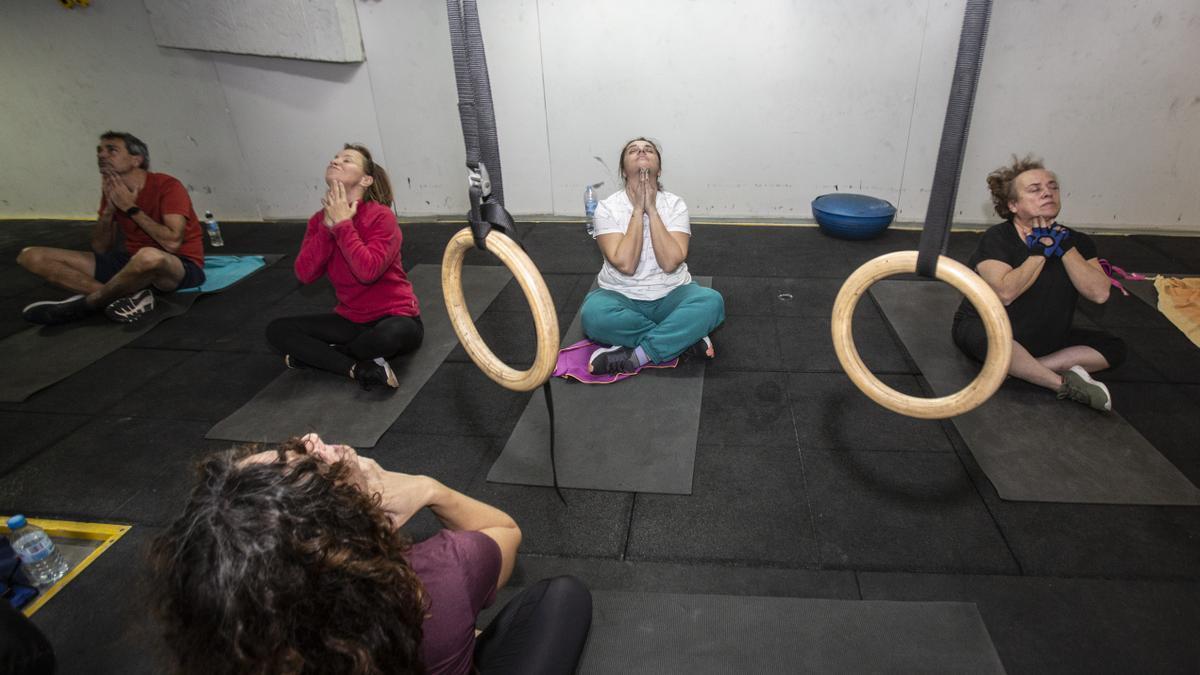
x: 478, y: 117
x: 940, y: 213
x: 934, y: 237
x: 487, y: 214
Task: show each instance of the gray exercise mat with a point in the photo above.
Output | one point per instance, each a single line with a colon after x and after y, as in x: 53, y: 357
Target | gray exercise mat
x: 303, y: 400
x: 1031, y: 446
x: 669, y: 633
x: 636, y: 435
x: 1145, y: 290
x: 37, y: 357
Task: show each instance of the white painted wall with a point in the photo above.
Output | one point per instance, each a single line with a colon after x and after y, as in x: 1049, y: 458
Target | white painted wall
x: 760, y: 106
x: 318, y: 30
x: 67, y: 76
x: 1109, y: 94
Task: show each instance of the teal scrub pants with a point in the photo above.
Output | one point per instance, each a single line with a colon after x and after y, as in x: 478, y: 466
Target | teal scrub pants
x: 663, y: 328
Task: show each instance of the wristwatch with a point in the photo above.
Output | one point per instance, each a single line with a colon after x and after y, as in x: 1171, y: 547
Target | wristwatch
x: 132, y: 211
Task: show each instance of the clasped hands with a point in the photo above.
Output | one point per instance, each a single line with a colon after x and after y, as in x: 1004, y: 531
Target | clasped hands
x: 118, y: 194
x: 645, y: 191
x: 337, y: 206
x: 401, y: 495
x: 1049, y: 240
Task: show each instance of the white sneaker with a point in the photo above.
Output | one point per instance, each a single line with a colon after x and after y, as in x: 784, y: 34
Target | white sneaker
x: 131, y: 307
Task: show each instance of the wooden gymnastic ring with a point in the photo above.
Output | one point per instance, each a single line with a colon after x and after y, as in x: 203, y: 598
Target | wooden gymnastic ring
x: 995, y: 321
x: 545, y: 319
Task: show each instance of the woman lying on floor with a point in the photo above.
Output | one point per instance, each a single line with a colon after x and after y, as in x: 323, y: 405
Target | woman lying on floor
x: 1039, y: 269
x: 354, y: 240
x: 646, y: 307
x: 292, y: 561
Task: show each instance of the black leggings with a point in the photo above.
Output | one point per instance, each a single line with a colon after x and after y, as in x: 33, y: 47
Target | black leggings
x: 542, y: 630
x: 971, y: 337
x: 334, y: 343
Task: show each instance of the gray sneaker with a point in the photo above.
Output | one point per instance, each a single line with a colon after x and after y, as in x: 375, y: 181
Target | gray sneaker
x: 1079, y: 386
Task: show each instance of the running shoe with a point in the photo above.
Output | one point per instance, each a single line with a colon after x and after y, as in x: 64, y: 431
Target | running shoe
x: 612, y: 360
x: 131, y: 307
x: 375, y: 372
x: 52, y: 312
x: 1079, y: 386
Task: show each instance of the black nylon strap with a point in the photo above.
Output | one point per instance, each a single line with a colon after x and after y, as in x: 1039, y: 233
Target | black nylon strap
x: 940, y: 214
x: 462, y: 78
x: 489, y: 141
x: 478, y: 118
x: 553, y: 464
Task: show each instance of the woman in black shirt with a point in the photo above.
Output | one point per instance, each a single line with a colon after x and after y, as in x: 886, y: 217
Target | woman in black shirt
x: 1039, y: 269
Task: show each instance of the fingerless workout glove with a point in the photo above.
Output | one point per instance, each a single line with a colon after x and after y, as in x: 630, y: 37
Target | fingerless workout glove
x: 1059, y: 237
x: 1066, y: 241
x: 1034, y: 241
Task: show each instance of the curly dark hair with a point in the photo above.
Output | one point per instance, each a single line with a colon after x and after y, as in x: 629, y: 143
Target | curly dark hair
x: 286, y: 567
x: 1000, y: 182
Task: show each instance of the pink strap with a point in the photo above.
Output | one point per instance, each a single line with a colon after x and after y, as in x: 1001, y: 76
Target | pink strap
x: 1114, y: 272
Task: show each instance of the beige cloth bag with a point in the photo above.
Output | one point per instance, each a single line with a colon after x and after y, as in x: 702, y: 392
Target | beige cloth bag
x: 1179, y: 301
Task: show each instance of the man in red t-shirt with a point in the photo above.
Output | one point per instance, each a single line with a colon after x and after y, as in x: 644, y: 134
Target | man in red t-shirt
x: 147, y: 237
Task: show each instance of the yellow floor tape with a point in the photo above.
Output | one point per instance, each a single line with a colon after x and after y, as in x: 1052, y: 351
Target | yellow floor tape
x: 104, y: 533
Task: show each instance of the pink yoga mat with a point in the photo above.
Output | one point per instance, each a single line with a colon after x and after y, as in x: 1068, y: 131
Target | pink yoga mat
x: 573, y: 363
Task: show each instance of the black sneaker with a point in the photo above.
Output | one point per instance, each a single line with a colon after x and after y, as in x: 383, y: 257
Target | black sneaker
x: 52, y: 312
x: 612, y: 360
x: 131, y: 307
x: 293, y: 363
x: 378, y: 371
x: 701, y: 350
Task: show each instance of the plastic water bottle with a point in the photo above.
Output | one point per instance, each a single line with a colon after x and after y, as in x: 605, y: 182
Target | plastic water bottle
x: 42, y: 562
x: 589, y: 208
x: 214, y: 229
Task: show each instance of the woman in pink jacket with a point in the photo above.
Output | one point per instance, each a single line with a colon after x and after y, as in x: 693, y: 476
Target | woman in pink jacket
x: 355, y: 241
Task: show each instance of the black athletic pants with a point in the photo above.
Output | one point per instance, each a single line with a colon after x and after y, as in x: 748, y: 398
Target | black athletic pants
x: 541, y: 631
x: 971, y: 337
x: 334, y: 343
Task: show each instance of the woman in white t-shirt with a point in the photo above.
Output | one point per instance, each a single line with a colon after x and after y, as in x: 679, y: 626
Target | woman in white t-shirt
x: 647, y: 307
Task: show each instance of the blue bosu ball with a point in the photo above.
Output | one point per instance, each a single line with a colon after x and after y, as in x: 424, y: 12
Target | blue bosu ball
x: 850, y: 216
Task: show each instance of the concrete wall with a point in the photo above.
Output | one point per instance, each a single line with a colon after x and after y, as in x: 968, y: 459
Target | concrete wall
x: 317, y: 30
x: 760, y: 106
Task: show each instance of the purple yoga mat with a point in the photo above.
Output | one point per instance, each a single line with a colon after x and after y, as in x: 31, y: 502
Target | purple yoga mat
x: 573, y: 363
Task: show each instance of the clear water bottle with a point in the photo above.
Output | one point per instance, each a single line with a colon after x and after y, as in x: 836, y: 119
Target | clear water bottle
x: 589, y: 208
x: 214, y: 229
x: 42, y: 562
